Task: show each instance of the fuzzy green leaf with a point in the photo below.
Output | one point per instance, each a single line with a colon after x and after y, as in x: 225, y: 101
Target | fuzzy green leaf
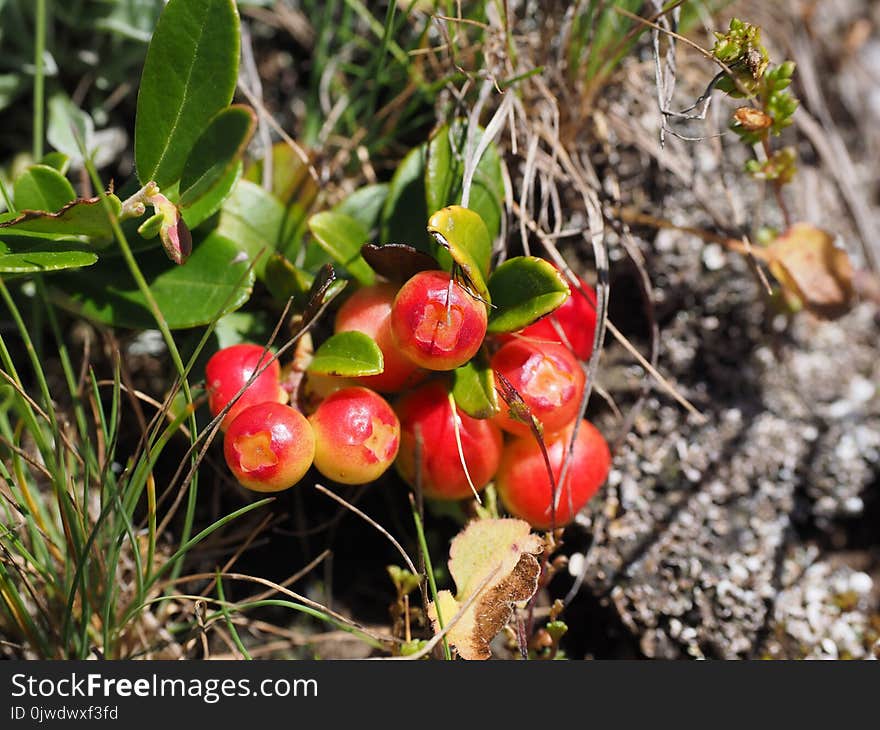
x: 348, y: 354
x: 342, y: 236
x: 189, y: 75
x: 524, y: 289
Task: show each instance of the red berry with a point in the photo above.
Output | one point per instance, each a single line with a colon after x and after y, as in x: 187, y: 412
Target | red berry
x: 428, y: 412
x: 577, y: 320
x: 524, y: 485
x: 368, y: 310
x: 549, y: 379
x: 436, y: 323
x: 230, y: 368
x: 269, y: 447
x: 357, y: 436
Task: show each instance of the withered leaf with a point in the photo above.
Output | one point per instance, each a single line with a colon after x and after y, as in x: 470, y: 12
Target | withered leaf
x: 809, y: 266
x: 493, y: 564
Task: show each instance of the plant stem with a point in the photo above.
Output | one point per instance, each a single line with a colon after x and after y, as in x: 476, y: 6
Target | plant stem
x: 429, y: 570
x: 39, y: 93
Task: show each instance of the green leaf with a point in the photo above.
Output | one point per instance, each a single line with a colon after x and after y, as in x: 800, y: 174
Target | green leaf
x: 473, y: 388
x: 83, y: 217
x: 151, y: 226
x: 462, y: 238
x: 213, y: 200
x: 217, y: 151
x: 405, y: 210
x: 348, y: 354
x: 444, y: 175
x: 524, y: 289
x: 466, y: 235
x: 365, y: 204
x: 213, y: 282
x: 69, y: 127
x: 41, y: 187
x: 284, y: 280
x: 189, y: 75
x: 56, y: 160
x: 39, y: 255
x: 342, y: 236
x: 253, y: 219
x: 290, y: 175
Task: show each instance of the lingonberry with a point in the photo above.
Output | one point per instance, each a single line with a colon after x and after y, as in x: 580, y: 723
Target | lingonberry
x: 549, y: 379
x: 269, y: 447
x: 229, y: 370
x: 368, y: 310
x: 436, y: 323
x: 524, y: 484
x: 576, y: 319
x: 357, y: 435
x: 426, y: 415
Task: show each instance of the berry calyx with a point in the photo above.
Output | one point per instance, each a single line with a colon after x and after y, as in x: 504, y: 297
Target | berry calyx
x: 524, y: 484
x: 269, y: 447
x: 548, y: 378
x: 368, y: 310
x: 357, y: 436
x: 436, y: 323
x: 426, y: 415
x: 229, y: 370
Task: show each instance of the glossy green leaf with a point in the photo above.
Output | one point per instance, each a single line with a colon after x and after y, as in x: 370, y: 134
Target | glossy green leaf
x: 523, y: 289
x: 189, y: 75
x: 342, y: 236
x: 473, y: 388
x: 365, y: 204
x: 405, y: 211
x: 460, y: 236
x: 206, y: 206
x: 285, y: 280
x: 253, y: 219
x: 444, y: 175
x: 41, y: 187
x: 84, y: 217
x: 213, y: 282
x: 216, y: 152
x: 33, y: 256
x: 348, y: 354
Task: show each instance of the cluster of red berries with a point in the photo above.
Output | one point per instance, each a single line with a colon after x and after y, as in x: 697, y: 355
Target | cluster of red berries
x: 428, y: 326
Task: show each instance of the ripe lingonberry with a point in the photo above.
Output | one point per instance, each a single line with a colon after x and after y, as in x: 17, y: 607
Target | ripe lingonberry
x: 230, y: 368
x: 548, y: 378
x: 269, y: 447
x: 524, y: 484
x: 357, y: 435
x: 368, y: 310
x: 436, y: 323
x: 426, y: 416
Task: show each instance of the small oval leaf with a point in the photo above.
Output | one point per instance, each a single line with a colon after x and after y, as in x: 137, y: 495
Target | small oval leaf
x: 41, y: 187
x: 405, y: 211
x: 348, y: 354
x: 285, y: 280
x: 524, y: 289
x: 455, y: 230
x: 189, y: 75
x: 342, y: 236
x: 473, y: 387
x: 39, y: 255
x: 217, y: 151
